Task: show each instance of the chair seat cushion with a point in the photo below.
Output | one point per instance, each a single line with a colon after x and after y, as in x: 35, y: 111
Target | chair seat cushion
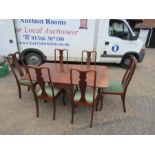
x: 49, y: 91
x: 114, y: 87
x: 27, y: 82
x: 88, y: 96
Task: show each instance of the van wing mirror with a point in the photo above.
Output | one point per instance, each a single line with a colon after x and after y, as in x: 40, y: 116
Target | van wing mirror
x: 135, y: 37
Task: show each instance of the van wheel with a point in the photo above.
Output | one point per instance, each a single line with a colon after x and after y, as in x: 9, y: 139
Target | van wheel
x: 125, y: 61
x: 33, y: 58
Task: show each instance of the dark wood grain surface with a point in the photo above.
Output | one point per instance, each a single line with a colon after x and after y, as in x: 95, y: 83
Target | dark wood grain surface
x: 60, y: 74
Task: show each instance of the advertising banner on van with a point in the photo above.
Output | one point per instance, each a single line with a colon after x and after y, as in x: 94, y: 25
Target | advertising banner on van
x: 47, y: 34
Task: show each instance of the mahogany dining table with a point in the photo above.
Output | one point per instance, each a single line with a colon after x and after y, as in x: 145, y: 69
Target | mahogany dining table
x: 60, y: 74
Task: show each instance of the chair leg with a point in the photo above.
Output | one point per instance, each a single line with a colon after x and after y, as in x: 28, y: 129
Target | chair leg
x: 54, y: 109
x: 100, y: 98
x: 72, y: 119
x: 77, y: 87
x: 28, y: 88
x: 19, y: 91
x: 97, y: 103
x: 37, y: 108
x: 123, y: 100
x: 49, y: 84
x: 91, y: 124
x: 64, y: 96
x: 36, y: 101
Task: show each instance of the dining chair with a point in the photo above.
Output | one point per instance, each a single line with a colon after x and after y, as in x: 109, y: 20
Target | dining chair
x: 84, y: 96
x: 45, y: 91
x: 88, y: 56
x: 120, y: 88
x: 61, y: 53
x: 18, y: 71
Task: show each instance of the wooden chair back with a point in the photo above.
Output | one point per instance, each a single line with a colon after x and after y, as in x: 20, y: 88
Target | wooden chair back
x: 61, y: 52
x: 129, y: 72
x: 83, y: 84
x: 89, y: 56
x: 38, y: 72
x: 14, y: 64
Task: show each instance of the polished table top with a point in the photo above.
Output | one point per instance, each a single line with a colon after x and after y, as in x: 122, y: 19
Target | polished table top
x: 60, y: 74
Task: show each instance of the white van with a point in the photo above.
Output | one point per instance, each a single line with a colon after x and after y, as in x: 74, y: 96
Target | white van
x: 36, y: 39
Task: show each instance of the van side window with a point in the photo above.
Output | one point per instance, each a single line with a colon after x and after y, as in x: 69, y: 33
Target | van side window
x: 119, y: 29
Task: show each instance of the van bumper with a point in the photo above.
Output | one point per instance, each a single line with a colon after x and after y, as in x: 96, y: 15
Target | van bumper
x: 141, y: 55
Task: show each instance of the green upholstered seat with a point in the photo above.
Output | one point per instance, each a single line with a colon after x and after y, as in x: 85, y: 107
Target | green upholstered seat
x: 114, y: 87
x: 49, y: 91
x: 27, y: 82
x: 88, y: 96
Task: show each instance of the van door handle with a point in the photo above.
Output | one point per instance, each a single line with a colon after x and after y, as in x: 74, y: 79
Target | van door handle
x: 107, y: 43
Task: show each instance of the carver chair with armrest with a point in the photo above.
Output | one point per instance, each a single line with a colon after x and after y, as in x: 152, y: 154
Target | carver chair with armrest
x: 46, y: 91
x: 84, y: 96
x: 88, y: 57
x: 120, y: 88
x: 18, y: 71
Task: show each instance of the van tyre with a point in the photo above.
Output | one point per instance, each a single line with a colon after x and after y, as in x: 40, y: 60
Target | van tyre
x: 33, y: 58
x: 125, y: 61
